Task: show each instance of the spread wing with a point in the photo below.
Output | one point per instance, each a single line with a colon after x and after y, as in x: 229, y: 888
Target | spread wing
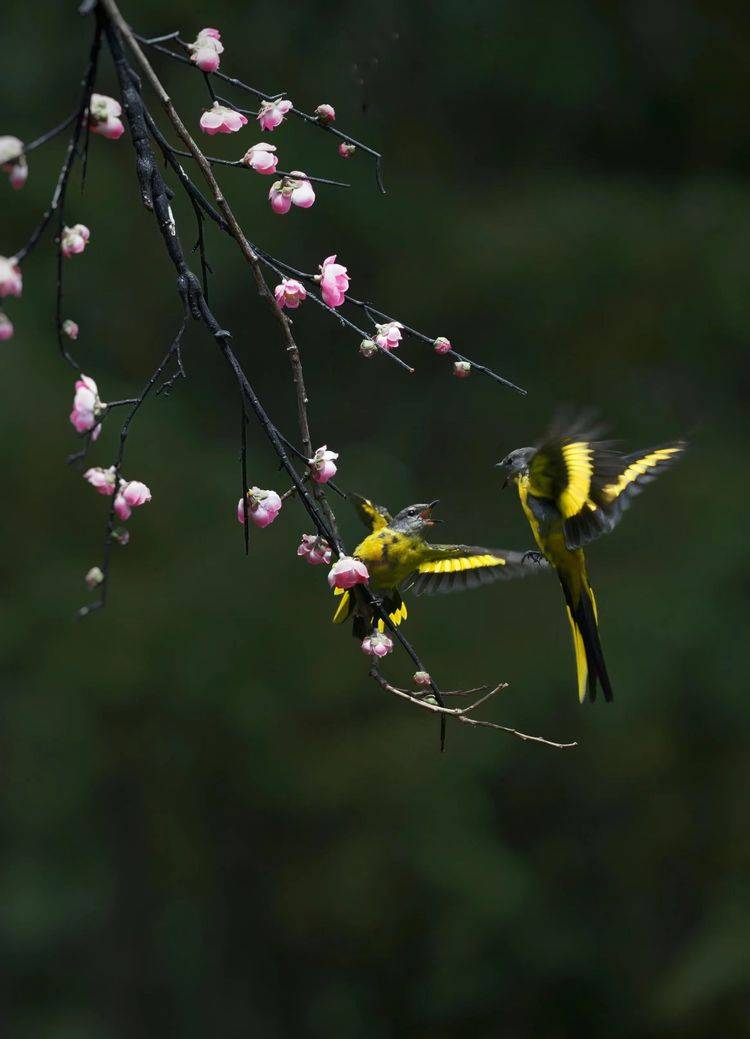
x: 568, y: 470
x: 612, y: 493
x: 457, y: 568
x: 373, y: 516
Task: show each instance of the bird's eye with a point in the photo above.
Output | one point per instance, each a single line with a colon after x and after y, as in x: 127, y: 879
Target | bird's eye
x: 411, y: 512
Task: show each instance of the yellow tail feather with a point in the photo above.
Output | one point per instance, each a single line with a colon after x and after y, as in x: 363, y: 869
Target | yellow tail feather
x: 396, y: 617
x: 342, y: 610
x: 581, y: 666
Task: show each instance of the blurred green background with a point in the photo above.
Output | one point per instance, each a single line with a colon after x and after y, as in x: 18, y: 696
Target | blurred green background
x: 213, y: 823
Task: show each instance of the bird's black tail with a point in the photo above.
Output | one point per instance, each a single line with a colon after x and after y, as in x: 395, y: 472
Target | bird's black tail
x: 588, y: 649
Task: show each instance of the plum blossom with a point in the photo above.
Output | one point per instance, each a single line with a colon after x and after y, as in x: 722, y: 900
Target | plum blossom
x: 290, y: 293
x: 121, y: 535
x: 70, y: 328
x: 334, y: 281
x: 346, y: 572
x: 261, y: 158
x: 322, y: 464
x: 102, y: 480
x: 389, y: 335
x: 272, y: 113
x: 104, y: 116
x: 442, y: 345
x: 221, y: 119
x: 87, y: 408
x: 94, y: 577
x: 6, y: 327
x: 205, y: 50
x: 346, y: 150
x: 326, y: 114
x: 461, y: 369
x: 422, y: 678
x: 314, y: 549
x: 11, y: 280
x: 131, y: 494
x: 368, y: 348
x: 13, y: 161
x: 262, y: 507
x: 292, y: 190
x: 377, y: 645
x: 74, y: 239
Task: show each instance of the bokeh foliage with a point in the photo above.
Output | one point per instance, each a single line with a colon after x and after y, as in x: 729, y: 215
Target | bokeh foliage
x: 212, y: 822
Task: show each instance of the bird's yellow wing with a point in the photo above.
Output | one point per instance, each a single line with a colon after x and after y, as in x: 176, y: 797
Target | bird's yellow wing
x: 374, y: 517
x: 393, y: 603
x: 460, y: 567
x: 612, y: 493
x: 562, y: 471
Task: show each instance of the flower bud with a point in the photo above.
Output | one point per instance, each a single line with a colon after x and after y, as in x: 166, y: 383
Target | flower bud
x: 121, y: 535
x: 262, y: 507
x: 261, y: 158
x: 11, y: 280
x: 323, y: 464
x: 314, y: 549
x: 346, y: 150
x: 6, y: 327
x: 422, y: 678
x: 104, y: 117
x: 205, y: 50
x: 74, y: 239
x: 290, y: 293
x: 94, y: 577
x: 326, y: 114
x: 388, y: 335
x: 334, y: 282
x: 461, y: 369
x: 102, y: 480
x: 13, y: 161
x: 377, y: 644
x: 442, y: 345
x: 70, y: 328
x: 346, y: 572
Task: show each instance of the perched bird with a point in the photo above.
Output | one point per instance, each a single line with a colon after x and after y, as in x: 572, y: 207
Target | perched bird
x: 399, y: 558
x: 573, y: 488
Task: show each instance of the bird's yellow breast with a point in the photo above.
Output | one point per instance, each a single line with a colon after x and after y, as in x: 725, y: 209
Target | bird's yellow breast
x: 390, y: 557
x: 551, y: 540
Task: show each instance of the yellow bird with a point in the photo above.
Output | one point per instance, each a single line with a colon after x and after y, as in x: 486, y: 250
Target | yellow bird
x: 398, y: 558
x: 573, y: 488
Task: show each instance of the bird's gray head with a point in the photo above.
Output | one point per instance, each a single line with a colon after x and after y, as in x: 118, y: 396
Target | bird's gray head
x: 516, y: 463
x: 414, y: 519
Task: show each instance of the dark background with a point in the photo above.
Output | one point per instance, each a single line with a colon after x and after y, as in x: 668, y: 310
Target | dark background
x: 213, y: 823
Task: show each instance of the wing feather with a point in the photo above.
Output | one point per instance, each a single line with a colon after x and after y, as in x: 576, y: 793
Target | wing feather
x: 461, y: 567
x: 374, y: 517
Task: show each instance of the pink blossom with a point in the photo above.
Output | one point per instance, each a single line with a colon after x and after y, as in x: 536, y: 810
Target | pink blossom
x: 121, y: 535
x: 94, y: 577
x: 290, y: 293
x: 314, y: 549
x: 87, y: 408
x: 346, y: 572
x: 334, y: 281
x: 262, y: 507
x: 261, y: 158
x: 205, y: 50
x: 135, y: 493
x: 6, y: 327
x: 13, y: 161
x: 74, y: 239
x: 422, y: 678
x: 70, y: 328
x: 442, y: 345
x: 367, y: 348
x: 11, y: 281
x: 221, y: 119
x: 461, y: 369
x: 326, y: 114
x: 377, y: 645
x: 122, y: 509
x: 389, y: 335
x: 103, y: 480
x: 291, y: 191
x: 346, y: 150
x: 272, y: 113
x: 104, y: 116
x: 322, y: 464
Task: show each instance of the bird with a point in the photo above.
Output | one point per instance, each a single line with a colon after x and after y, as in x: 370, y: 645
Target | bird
x: 399, y: 558
x: 573, y: 488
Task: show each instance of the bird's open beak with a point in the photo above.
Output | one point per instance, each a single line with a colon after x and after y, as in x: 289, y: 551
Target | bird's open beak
x: 500, y: 465
x: 427, y: 514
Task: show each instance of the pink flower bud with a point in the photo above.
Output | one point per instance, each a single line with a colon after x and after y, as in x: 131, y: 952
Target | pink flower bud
x: 377, y: 645
x: 104, y: 117
x: 367, y: 348
x: 291, y: 191
x: 70, y: 329
x: 322, y: 464
x: 461, y: 369
x: 6, y: 327
x: 334, y: 281
x: 11, y: 281
x: 442, y: 345
x: 346, y: 150
x: 346, y: 572
x: 135, y: 493
x: 221, y: 119
x: 87, y: 408
x: 326, y: 114
x: 290, y: 293
x: 13, y: 161
x: 262, y: 507
x: 74, y: 239
x: 205, y: 50
x: 280, y: 197
x: 272, y: 113
x: 122, y: 509
x: 94, y: 577
x: 121, y: 535
x: 261, y: 158
x: 422, y: 678
x: 389, y: 335
x: 102, y: 480
x: 314, y: 549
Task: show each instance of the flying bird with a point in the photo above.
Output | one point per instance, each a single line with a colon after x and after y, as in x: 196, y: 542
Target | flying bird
x: 398, y: 558
x: 574, y: 488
